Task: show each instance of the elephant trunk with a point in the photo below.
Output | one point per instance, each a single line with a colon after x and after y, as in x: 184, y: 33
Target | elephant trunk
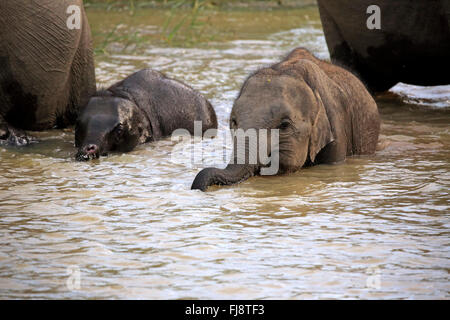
x: 245, y: 163
x: 232, y: 174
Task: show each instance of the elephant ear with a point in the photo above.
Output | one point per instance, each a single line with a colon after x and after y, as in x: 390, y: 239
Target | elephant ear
x: 321, y: 133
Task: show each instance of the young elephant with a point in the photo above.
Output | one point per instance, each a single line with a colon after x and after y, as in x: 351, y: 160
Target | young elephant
x: 322, y: 112
x: 146, y: 106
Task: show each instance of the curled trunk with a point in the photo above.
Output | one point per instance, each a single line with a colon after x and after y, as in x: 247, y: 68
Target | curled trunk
x: 232, y: 174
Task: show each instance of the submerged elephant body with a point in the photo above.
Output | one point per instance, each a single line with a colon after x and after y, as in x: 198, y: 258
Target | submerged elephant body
x: 46, y: 69
x: 146, y: 106
x: 323, y: 114
x: 411, y: 43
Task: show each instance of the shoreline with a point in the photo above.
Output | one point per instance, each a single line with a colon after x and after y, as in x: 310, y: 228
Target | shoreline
x: 210, y: 4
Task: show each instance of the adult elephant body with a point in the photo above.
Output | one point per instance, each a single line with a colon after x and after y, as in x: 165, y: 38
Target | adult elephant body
x: 411, y: 46
x: 46, y: 68
x: 322, y: 113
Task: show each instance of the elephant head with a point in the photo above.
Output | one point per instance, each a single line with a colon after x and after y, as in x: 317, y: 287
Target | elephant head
x: 292, y: 97
x: 109, y: 123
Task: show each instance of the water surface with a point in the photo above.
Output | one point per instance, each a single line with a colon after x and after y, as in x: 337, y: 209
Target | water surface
x: 371, y: 227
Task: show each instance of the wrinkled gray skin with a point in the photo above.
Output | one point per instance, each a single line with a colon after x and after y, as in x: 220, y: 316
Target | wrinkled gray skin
x: 412, y: 46
x: 145, y: 106
x: 46, y: 70
x: 323, y: 114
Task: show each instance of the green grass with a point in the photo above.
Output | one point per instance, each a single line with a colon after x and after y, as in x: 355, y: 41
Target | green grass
x: 182, y: 26
x: 185, y: 23
x: 135, y: 4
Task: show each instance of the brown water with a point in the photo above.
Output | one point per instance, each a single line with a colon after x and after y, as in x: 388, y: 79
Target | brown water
x: 130, y: 227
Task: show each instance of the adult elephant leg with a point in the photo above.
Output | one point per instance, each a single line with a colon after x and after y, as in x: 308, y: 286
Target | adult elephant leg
x: 82, y: 75
x: 48, y: 72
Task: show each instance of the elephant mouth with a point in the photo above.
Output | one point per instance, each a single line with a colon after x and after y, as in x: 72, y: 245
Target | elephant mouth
x: 87, y: 155
x: 83, y: 156
x: 89, y: 152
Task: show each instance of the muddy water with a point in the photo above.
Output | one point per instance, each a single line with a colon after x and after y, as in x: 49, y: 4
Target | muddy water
x: 127, y: 226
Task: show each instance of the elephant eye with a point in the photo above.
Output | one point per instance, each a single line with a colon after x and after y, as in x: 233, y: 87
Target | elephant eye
x: 233, y: 123
x: 119, y: 130
x: 285, y: 124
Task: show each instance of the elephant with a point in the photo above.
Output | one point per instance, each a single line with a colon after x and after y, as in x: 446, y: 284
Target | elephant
x: 322, y: 114
x: 145, y: 106
x: 46, y: 66
x: 410, y: 44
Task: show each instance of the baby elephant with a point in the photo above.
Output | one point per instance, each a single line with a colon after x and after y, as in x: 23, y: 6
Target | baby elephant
x: 320, y: 112
x: 145, y: 106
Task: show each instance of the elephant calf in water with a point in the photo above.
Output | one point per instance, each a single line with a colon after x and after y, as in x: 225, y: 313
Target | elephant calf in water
x: 145, y: 106
x: 322, y: 112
